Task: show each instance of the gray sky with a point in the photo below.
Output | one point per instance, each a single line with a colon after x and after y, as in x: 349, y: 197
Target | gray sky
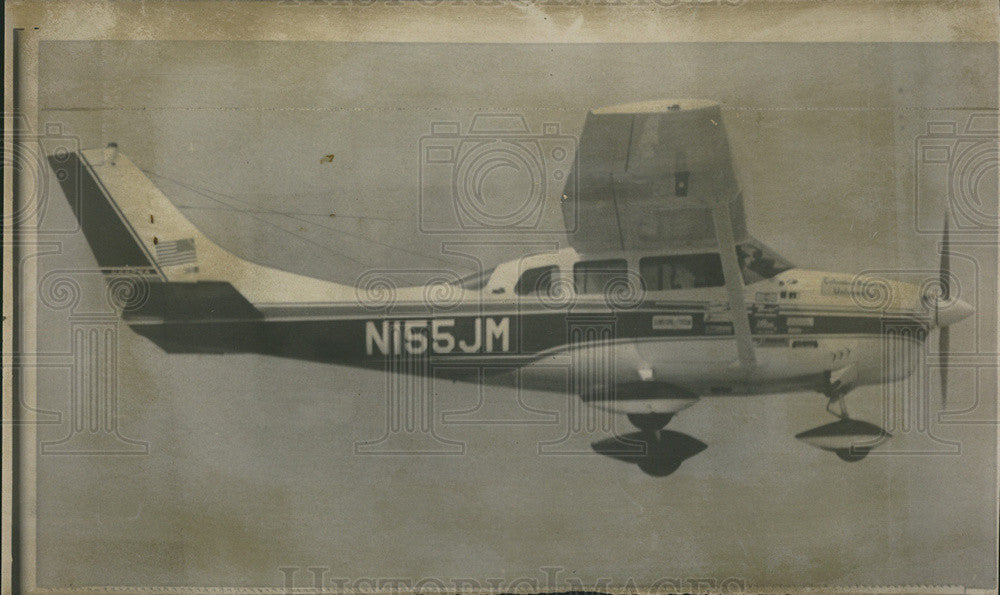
x: 252, y: 465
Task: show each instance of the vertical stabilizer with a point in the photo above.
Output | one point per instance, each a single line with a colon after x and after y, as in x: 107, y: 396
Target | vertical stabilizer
x: 130, y: 223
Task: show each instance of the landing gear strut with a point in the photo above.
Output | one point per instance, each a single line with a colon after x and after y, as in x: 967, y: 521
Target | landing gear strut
x: 650, y: 422
x: 836, y: 396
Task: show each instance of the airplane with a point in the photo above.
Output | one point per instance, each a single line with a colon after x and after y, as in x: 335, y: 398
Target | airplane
x: 662, y: 297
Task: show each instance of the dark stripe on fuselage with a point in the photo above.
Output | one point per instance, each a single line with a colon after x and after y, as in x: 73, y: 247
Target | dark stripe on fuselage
x: 509, y: 336
x: 378, y: 339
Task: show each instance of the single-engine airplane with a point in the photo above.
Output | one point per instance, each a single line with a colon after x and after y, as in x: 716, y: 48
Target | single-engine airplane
x: 662, y: 297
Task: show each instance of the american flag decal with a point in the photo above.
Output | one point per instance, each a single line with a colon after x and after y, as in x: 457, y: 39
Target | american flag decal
x: 176, y: 252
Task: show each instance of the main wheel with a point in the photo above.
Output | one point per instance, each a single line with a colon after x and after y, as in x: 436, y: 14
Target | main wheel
x: 650, y: 422
x: 659, y: 468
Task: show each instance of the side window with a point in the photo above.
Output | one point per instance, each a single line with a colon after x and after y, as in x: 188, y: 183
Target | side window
x: 681, y: 271
x: 536, y: 280
x: 594, y: 276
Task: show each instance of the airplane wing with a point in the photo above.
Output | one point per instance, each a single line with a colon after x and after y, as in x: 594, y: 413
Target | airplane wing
x: 659, y: 175
x: 650, y: 175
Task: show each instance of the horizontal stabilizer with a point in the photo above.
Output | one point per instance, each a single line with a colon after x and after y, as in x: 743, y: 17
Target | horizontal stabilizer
x: 188, y: 302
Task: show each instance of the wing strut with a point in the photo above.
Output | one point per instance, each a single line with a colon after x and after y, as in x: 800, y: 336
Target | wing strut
x: 734, y: 283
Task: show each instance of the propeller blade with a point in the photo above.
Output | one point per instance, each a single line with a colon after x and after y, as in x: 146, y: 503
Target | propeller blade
x: 944, y: 340
x: 943, y: 346
x: 945, y: 268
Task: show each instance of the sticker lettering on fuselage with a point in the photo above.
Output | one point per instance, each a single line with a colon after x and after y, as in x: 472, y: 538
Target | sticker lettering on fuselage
x: 840, y: 287
x: 683, y: 322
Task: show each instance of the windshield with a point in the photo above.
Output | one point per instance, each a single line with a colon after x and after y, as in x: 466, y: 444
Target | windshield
x: 476, y: 281
x: 758, y: 262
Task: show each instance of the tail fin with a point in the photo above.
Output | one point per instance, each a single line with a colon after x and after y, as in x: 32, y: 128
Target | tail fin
x: 113, y: 241
x: 129, y: 223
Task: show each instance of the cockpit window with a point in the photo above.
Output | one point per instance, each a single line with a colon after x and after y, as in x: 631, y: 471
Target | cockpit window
x: 758, y: 262
x: 536, y: 280
x: 476, y: 281
x: 681, y: 271
x: 596, y: 276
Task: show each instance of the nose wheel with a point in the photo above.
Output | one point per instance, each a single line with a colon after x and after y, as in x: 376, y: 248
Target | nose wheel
x: 852, y: 455
x: 850, y: 439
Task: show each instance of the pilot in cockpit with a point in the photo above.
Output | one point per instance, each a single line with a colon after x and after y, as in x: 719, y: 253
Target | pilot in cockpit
x: 752, y: 259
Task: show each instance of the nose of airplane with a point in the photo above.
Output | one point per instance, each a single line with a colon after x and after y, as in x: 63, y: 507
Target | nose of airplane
x: 951, y: 311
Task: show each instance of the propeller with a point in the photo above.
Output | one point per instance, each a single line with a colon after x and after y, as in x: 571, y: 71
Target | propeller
x: 944, y: 340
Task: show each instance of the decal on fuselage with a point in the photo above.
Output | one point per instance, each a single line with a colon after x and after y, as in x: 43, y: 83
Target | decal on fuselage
x: 438, y: 335
x: 683, y: 322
